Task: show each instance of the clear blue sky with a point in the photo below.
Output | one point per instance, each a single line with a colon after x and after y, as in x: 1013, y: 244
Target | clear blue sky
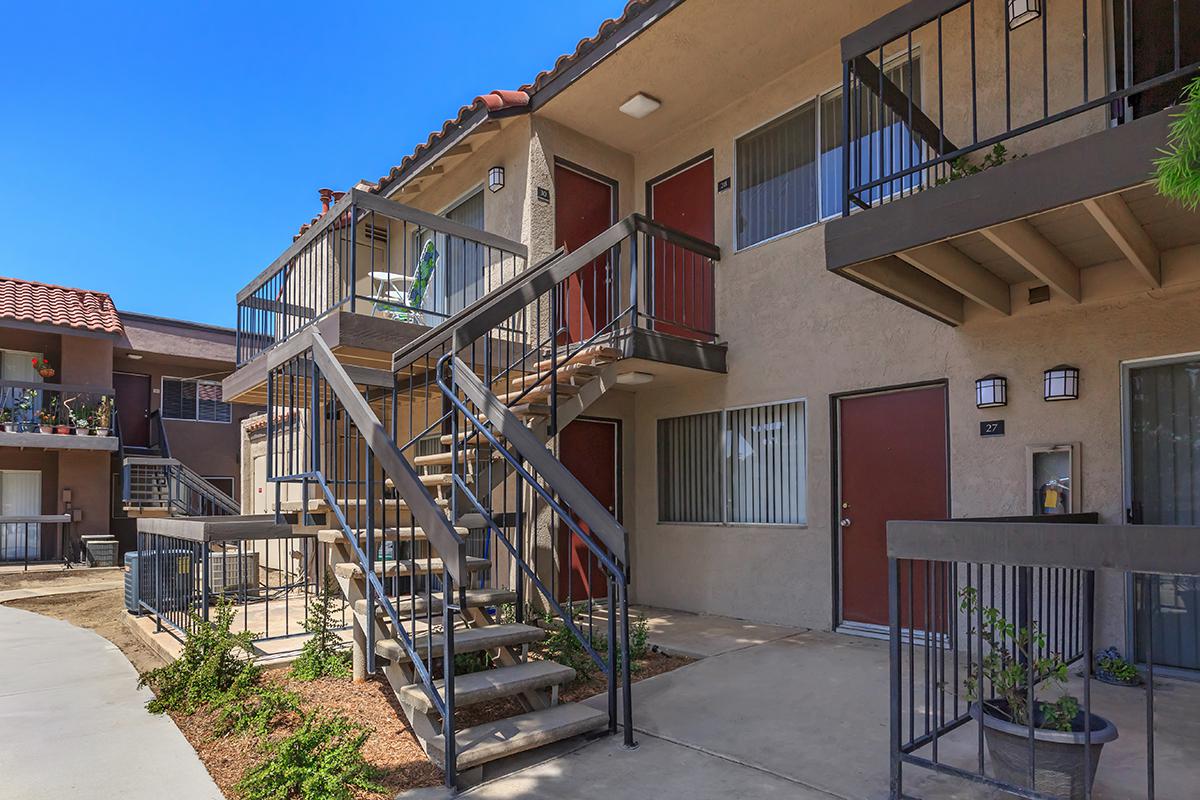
x: 166, y: 152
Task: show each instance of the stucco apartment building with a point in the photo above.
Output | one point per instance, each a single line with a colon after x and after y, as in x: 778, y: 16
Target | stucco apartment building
x: 980, y: 308
x: 85, y: 386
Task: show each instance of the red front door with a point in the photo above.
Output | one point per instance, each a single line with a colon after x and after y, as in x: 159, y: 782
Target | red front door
x: 589, y: 449
x: 583, y: 209
x: 683, y: 280
x: 133, y: 408
x: 893, y: 457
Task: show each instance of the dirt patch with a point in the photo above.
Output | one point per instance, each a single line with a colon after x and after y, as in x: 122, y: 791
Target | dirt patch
x: 59, y: 578
x: 102, y: 612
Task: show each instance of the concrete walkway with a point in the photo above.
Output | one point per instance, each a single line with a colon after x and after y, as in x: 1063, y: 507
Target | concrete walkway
x: 72, y: 723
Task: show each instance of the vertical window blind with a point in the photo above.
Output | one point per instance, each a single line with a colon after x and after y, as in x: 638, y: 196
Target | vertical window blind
x: 742, y: 466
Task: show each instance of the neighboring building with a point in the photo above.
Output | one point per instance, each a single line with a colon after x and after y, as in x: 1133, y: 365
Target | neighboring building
x: 157, y: 379
x: 760, y: 418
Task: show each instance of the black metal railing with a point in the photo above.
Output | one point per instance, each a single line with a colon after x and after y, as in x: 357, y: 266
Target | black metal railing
x: 169, y: 485
x: 58, y: 409
x: 370, y: 255
x: 268, y: 580
x: 933, y: 84
x: 337, y: 447
x: 35, y: 538
x: 986, y: 619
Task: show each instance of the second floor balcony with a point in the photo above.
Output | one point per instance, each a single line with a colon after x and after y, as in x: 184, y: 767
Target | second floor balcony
x: 993, y: 153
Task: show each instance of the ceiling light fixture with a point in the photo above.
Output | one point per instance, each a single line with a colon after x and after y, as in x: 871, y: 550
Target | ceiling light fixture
x: 640, y: 105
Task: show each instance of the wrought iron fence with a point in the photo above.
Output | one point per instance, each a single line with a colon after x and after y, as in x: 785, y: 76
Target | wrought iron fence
x: 934, y: 83
x: 986, y: 618
x: 35, y: 538
x: 369, y: 255
x: 268, y: 579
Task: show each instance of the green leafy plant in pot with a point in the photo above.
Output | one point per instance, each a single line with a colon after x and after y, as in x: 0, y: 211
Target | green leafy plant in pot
x: 1060, y: 727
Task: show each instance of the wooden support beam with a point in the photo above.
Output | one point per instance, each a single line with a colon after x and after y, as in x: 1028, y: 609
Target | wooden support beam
x: 464, y: 149
x: 896, y: 279
x: 958, y: 271
x: 1127, y: 234
x: 1023, y: 244
x: 491, y: 126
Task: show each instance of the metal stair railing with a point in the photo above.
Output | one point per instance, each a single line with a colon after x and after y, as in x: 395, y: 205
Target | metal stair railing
x: 327, y: 431
x: 155, y: 482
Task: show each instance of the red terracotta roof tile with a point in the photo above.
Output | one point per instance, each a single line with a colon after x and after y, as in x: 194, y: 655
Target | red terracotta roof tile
x: 43, y: 303
x: 502, y: 99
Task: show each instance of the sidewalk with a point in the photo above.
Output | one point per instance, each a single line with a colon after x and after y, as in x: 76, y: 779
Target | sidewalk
x: 73, y: 724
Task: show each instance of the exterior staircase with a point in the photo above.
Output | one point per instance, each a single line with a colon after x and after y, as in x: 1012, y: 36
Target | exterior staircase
x: 153, y: 484
x: 449, y: 520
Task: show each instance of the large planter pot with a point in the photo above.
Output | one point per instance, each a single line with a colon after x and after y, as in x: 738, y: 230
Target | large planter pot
x: 46, y: 428
x: 100, y: 431
x: 62, y: 429
x: 81, y: 430
x: 1059, y: 769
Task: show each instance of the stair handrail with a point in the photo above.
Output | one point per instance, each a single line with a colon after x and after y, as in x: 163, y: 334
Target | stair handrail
x: 440, y: 533
x: 156, y: 424
x: 175, y: 471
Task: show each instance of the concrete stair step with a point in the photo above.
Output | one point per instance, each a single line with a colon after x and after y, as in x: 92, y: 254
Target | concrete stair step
x: 319, y: 506
x: 472, y: 640
x: 575, y: 373
x: 415, y: 566
x: 541, y: 392
x: 494, y: 740
x: 492, y: 684
x: 475, y: 598
x: 403, y: 534
x: 594, y: 355
x: 443, y: 459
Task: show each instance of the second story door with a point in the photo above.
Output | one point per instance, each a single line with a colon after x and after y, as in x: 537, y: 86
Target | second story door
x: 583, y: 209
x: 133, y: 408
x: 682, y: 284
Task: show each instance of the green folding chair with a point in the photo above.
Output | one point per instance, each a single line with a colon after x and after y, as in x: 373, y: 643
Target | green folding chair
x: 426, y: 265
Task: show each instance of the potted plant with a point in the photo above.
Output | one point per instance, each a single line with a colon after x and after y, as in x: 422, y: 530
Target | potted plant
x: 6, y: 419
x: 80, y: 420
x: 1111, y: 668
x: 102, y: 416
x: 43, y: 367
x: 1059, y: 726
x: 48, y: 416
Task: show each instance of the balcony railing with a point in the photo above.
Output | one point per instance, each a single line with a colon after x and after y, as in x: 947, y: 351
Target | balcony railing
x: 976, y: 606
x: 34, y: 538
x: 933, y: 84
x: 373, y: 256
x: 33, y: 407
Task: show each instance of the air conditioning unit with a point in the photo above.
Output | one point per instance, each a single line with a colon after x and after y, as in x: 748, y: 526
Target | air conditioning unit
x: 163, y: 578
x: 231, y: 572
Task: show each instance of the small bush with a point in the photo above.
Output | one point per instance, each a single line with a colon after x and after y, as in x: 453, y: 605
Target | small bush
x: 214, y: 662
x: 323, y: 654
x: 321, y: 760
x: 1177, y: 172
x: 255, y: 709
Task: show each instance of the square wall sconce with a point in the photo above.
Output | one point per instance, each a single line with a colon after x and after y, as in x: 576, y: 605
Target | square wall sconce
x: 991, y: 391
x: 1061, y: 383
x: 496, y: 178
x: 1022, y: 11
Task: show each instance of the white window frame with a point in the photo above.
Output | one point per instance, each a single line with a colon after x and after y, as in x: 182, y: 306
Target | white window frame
x: 726, y: 494
x: 162, y: 394
x: 816, y: 100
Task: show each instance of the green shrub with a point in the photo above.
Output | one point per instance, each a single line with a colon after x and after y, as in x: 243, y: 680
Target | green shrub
x: 323, y: 654
x: 1178, y: 171
x: 214, y: 662
x: 255, y: 709
x: 321, y: 760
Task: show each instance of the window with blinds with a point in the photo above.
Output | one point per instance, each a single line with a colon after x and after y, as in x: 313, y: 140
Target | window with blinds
x: 196, y: 400
x: 777, y: 177
x: 743, y: 466
x: 689, y: 468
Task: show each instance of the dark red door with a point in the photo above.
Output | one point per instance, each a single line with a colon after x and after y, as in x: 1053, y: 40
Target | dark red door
x: 133, y: 408
x: 589, y: 449
x: 583, y: 209
x: 683, y: 280
x: 892, y: 455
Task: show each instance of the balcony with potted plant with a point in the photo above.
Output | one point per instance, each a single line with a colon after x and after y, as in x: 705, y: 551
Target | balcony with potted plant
x: 50, y: 416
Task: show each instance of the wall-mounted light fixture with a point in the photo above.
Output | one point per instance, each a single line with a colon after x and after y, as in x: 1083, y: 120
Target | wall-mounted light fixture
x: 991, y: 391
x: 640, y: 105
x: 1062, y: 383
x: 496, y: 178
x: 634, y: 378
x: 1022, y: 11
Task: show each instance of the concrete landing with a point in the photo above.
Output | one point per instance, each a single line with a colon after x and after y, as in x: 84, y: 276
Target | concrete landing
x: 72, y: 723
x: 679, y: 633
